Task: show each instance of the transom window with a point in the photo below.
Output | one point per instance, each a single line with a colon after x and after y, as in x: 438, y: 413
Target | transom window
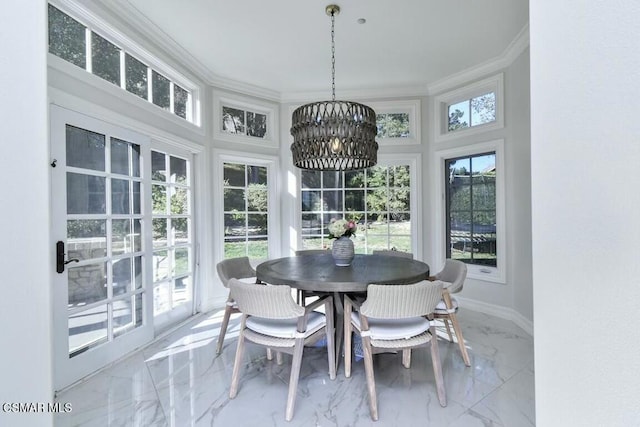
x: 472, y: 112
x: 393, y: 125
x: 78, y: 44
x: 475, y: 108
x: 398, y: 122
x: 378, y: 199
x: 244, y: 122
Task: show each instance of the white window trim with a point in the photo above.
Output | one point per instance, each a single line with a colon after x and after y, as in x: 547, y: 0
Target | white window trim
x: 273, y: 192
x: 414, y: 161
x: 491, y: 274
x: 246, y: 104
x: 410, y: 107
x: 127, y: 45
x: 492, y: 84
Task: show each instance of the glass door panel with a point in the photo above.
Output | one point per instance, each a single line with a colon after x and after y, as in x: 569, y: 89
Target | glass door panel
x: 173, y: 264
x: 99, y: 299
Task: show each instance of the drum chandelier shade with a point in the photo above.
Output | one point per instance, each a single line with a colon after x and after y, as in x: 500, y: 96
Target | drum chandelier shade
x: 334, y: 135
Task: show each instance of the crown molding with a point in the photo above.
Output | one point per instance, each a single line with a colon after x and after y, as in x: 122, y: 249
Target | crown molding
x: 519, y: 44
x: 224, y: 83
x: 356, y: 94
x: 134, y: 19
x: 138, y: 22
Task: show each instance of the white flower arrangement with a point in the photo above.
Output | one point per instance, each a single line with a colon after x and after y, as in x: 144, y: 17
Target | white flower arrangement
x: 342, y: 227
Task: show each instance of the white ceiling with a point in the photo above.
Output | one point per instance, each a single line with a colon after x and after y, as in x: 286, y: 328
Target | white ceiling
x: 285, y: 45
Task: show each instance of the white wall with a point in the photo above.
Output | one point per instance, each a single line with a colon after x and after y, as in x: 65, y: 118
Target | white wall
x: 513, y: 299
x: 25, y: 252
x: 585, y: 153
x: 518, y: 165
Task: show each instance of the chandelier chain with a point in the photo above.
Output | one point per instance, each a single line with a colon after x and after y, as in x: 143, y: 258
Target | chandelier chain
x: 334, y: 135
x: 333, y: 57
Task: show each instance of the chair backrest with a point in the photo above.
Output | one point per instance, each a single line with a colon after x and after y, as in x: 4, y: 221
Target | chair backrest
x: 271, y: 302
x: 401, y: 301
x: 454, y: 272
x: 312, y: 252
x: 240, y: 268
x: 393, y: 252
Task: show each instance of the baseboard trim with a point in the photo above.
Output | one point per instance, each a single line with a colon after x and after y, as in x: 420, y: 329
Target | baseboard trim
x: 212, y: 304
x: 498, y: 311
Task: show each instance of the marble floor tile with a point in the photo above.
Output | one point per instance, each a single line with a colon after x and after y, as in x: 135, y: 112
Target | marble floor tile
x: 179, y: 381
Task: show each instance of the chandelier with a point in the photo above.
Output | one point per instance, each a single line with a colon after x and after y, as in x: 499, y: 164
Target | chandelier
x: 334, y: 135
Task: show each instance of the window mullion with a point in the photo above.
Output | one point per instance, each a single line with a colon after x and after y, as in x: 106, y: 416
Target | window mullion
x: 123, y: 70
x: 87, y: 49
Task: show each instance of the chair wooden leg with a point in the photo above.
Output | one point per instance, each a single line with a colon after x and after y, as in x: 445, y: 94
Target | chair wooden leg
x: 437, y: 367
x: 225, y: 323
x: 279, y: 357
x: 406, y: 358
x: 371, y: 382
x: 330, y: 336
x: 269, y: 354
x: 456, y: 327
x: 458, y: 331
x: 348, y: 352
x: 233, y: 391
x: 293, y: 379
x: 446, y: 324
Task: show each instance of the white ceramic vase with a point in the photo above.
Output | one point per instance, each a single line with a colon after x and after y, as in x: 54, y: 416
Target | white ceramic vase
x: 342, y: 251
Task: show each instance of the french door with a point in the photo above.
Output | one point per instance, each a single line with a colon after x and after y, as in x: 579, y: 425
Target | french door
x: 101, y: 233
x: 172, y: 235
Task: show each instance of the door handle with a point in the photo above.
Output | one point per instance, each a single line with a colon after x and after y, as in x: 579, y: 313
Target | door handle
x: 60, y: 261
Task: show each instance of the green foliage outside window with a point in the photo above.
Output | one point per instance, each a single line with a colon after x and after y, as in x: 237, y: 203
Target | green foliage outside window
x: 245, y: 209
x: 378, y: 199
x: 471, y: 209
x: 393, y: 125
x: 67, y: 40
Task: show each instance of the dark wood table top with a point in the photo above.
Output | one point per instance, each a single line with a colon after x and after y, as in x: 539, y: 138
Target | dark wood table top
x: 319, y: 273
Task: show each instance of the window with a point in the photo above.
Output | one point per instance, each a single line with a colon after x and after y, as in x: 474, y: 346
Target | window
x: 245, y: 120
x: 392, y: 125
x: 78, y: 44
x: 398, y: 122
x: 378, y: 199
x: 474, y: 108
x: 237, y: 121
x: 246, y: 203
x: 172, y: 222
x: 470, y: 214
x: 471, y: 209
x: 472, y: 112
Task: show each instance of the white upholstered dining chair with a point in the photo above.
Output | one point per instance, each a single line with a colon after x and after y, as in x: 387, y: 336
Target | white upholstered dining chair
x: 453, y: 276
x: 271, y: 318
x: 393, y: 252
x: 239, y: 268
x: 393, y: 318
x: 312, y: 252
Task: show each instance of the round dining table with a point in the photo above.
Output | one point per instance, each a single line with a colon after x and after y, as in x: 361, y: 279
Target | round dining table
x: 318, y: 272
